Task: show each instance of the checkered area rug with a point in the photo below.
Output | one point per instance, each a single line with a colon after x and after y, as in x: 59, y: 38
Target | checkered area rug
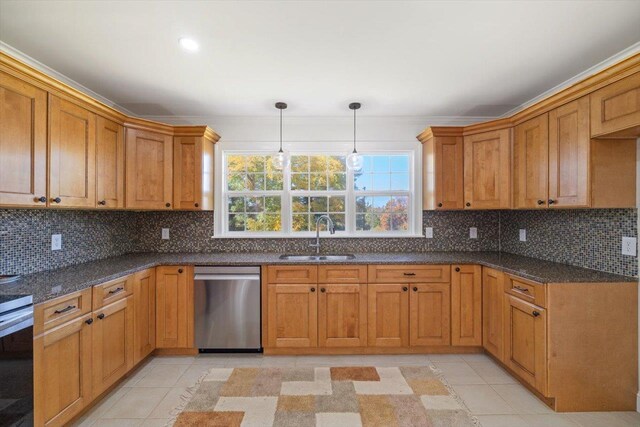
x: 337, y: 396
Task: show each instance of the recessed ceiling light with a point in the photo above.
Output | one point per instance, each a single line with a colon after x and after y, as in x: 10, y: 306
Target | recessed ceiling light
x: 189, y: 44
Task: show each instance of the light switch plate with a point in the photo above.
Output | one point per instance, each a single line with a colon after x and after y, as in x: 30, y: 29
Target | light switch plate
x: 428, y: 232
x: 629, y: 246
x: 473, y: 233
x: 523, y: 235
x: 165, y: 234
x: 56, y: 242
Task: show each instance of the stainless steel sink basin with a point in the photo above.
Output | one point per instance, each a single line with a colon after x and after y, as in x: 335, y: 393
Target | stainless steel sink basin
x: 289, y: 257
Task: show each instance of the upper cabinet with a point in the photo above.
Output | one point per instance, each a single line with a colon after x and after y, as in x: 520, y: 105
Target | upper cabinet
x: 615, y: 109
x: 23, y: 143
x: 72, y: 155
x: 193, y: 171
x: 442, y: 169
x: 149, y: 170
x: 487, y: 170
x: 531, y: 163
x: 109, y: 164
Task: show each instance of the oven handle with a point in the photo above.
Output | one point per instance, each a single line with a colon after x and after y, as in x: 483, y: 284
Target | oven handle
x: 220, y: 277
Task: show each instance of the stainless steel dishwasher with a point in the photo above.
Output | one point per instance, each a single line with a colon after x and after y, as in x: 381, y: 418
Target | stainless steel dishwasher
x: 227, y: 309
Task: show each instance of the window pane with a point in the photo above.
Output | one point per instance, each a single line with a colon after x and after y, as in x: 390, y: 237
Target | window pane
x: 299, y: 163
x: 236, y: 222
x: 318, y: 163
x: 300, y: 222
x: 318, y: 182
x: 300, y: 181
x: 252, y: 173
x: 318, y: 204
x: 362, y: 182
x: 300, y: 204
x: 337, y: 164
x: 236, y: 204
x: 338, y: 181
x: 399, y: 163
x: 254, y: 213
x: 336, y: 204
x: 275, y: 181
x: 338, y: 221
x: 381, y: 182
x: 235, y: 163
x: 235, y: 182
x: 383, y: 173
x: 255, y: 163
x: 400, y: 181
x: 272, y: 204
x: 380, y: 164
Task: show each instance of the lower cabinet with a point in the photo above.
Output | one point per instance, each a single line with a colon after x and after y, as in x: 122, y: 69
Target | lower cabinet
x: 493, y: 312
x: 292, y: 315
x: 388, y: 315
x: 174, y: 307
x: 429, y: 319
x: 525, y: 332
x: 144, y: 318
x: 62, y: 372
x: 342, y: 315
x: 466, y: 305
x: 112, y: 343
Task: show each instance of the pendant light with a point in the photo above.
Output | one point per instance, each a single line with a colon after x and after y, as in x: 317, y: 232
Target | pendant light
x: 281, y: 160
x: 354, y: 160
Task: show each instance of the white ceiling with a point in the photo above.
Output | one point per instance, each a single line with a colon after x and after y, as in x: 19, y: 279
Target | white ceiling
x: 465, y: 58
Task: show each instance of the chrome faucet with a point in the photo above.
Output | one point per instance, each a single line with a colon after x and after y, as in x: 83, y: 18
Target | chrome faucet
x: 330, y: 226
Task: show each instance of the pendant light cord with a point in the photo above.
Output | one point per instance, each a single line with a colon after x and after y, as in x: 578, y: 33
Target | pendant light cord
x: 354, y: 130
x: 280, y: 132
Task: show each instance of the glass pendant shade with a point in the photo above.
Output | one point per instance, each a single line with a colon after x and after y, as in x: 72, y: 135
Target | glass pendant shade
x: 355, y: 161
x: 281, y: 160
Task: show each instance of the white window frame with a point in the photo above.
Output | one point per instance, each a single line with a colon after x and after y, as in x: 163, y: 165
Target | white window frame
x: 413, y: 149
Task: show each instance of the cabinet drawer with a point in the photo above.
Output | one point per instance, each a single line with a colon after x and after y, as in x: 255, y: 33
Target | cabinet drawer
x: 111, y: 291
x: 60, y: 310
x: 342, y: 274
x: 526, y: 290
x: 292, y: 274
x: 409, y: 273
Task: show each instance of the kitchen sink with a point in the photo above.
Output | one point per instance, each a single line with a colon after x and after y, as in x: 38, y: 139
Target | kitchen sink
x: 288, y: 257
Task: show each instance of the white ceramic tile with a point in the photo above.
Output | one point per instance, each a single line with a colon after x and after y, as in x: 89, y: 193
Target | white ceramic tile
x: 436, y: 403
x: 483, y: 400
x: 163, y: 376
x: 101, y: 407
x: 155, y: 422
x: 120, y: 422
x: 169, y: 403
x: 342, y: 419
x: 172, y: 360
x: 475, y: 357
x: 138, y: 402
x: 549, y: 420
x: 279, y: 361
x: 521, y: 399
x: 491, y: 373
x: 502, y: 421
x: 608, y: 419
x: 459, y: 373
x: 445, y: 358
x: 192, y: 375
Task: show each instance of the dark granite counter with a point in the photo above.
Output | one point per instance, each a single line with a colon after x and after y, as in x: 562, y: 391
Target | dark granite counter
x: 50, y: 284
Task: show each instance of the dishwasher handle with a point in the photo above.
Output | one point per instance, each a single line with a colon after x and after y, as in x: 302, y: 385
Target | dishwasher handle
x: 219, y: 277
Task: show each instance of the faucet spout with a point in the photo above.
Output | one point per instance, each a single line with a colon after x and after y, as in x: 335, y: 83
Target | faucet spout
x: 330, y: 226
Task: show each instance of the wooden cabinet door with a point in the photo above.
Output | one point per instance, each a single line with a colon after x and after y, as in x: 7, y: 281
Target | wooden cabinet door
x: 149, y: 170
x: 23, y: 143
x: 569, y: 145
x: 144, y: 319
x: 292, y: 319
x: 526, y: 341
x: 72, y: 155
x: 388, y: 314
x: 62, y: 372
x: 466, y: 305
x: 174, y: 307
x: 187, y: 172
x: 493, y: 311
x: 531, y: 163
x: 487, y: 170
x: 430, y: 316
x: 109, y: 164
x: 112, y: 344
x: 615, y: 109
x: 449, y: 165
x: 342, y: 315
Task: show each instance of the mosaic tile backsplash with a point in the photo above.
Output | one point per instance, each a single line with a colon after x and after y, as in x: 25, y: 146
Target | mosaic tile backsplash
x: 587, y: 238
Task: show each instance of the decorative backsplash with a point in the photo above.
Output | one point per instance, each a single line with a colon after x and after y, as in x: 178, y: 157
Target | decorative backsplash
x: 587, y: 238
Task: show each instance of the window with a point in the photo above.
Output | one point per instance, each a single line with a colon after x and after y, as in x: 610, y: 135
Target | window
x: 258, y: 200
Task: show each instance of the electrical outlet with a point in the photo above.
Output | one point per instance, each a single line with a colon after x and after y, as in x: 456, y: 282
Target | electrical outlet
x: 523, y: 235
x: 629, y: 246
x: 165, y: 234
x: 56, y: 242
x: 428, y: 232
x: 473, y: 233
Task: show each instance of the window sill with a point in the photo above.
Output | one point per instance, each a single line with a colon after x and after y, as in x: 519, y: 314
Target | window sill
x: 323, y: 235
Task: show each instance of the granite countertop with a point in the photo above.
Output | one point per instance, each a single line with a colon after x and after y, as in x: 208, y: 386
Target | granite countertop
x: 46, y: 285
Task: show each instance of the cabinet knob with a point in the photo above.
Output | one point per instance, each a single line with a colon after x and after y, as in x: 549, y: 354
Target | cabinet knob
x: 551, y: 201
x: 101, y: 316
x: 457, y: 269
x: 323, y: 290
x: 196, y: 205
x: 102, y: 202
x: 540, y: 202
x: 467, y: 204
x: 405, y: 289
x: 41, y: 199
x: 536, y: 313
x: 168, y: 204
x: 88, y: 321
x: 313, y: 289
x: 415, y: 289
x: 180, y: 270
x: 56, y: 200
x: 439, y: 205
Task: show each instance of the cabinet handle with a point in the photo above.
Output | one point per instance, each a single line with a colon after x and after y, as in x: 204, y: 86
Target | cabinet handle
x: 116, y: 290
x: 540, y: 202
x: 405, y: 289
x: 409, y: 274
x: 41, y: 199
x: 313, y: 289
x: 551, y: 201
x: 196, y: 205
x: 439, y: 205
x: 88, y: 321
x: 323, y: 290
x: 56, y: 200
x: 101, y: 316
x: 518, y: 288
x: 536, y: 313
x: 415, y: 289
x: 64, y: 310
x: 457, y: 269
x: 180, y: 270
x: 168, y: 204
x: 102, y: 202
x: 467, y: 204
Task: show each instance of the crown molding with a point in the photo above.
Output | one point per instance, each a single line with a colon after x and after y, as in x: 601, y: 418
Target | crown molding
x: 34, y: 63
x: 632, y: 50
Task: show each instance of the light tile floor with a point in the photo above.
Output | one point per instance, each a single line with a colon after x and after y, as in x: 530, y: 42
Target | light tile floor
x: 148, y: 396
